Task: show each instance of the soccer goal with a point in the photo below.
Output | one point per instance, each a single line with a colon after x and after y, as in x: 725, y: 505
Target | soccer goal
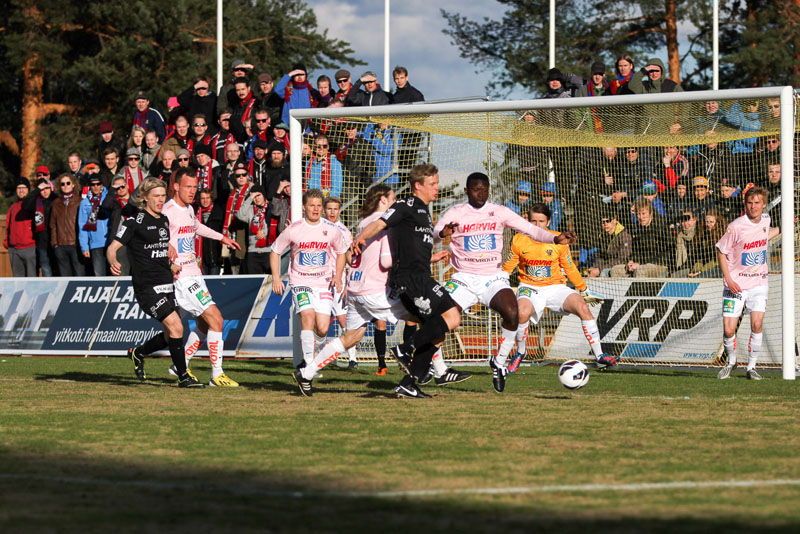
x: 648, y: 182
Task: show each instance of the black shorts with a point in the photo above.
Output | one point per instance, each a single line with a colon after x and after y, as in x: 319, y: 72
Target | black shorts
x: 157, y: 305
x: 422, y: 296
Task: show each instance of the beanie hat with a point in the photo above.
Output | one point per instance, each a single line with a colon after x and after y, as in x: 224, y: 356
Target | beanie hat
x: 23, y: 181
x: 106, y: 127
x: 299, y: 66
x: 202, y: 148
x: 598, y: 68
x: 554, y: 74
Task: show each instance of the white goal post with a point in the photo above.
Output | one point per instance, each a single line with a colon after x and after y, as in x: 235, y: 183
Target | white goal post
x: 787, y: 186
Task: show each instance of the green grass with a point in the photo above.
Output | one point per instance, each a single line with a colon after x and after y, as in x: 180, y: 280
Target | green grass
x: 86, y: 447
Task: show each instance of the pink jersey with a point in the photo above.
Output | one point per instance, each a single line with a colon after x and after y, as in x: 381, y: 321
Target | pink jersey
x: 477, y: 242
x: 183, y: 225
x: 369, y: 271
x: 745, y: 245
x: 311, y: 245
x: 347, y: 239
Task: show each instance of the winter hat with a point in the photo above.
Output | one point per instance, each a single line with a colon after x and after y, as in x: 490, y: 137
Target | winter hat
x: 23, y: 181
x: 554, y: 74
x: 106, y: 127
x: 524, y: 187
x: 299, y: 66
x: 202, y: 148
x: 260, y: 143
x: 598, y: 68
x: 649, y: 187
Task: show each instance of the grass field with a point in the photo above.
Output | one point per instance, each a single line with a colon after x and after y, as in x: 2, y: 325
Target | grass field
x: 85, y: 447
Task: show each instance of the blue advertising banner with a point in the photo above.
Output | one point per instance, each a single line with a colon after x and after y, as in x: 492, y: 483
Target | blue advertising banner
x: 101, y: 315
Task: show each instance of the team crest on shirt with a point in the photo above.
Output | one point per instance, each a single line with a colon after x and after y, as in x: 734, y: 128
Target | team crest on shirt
x: 162, y: 233
x: 474, y: 243
x: 423, y: 305
x: 325, y: 232
x: 549, y: 252
x: 185, y: 245
x: 312, y: 259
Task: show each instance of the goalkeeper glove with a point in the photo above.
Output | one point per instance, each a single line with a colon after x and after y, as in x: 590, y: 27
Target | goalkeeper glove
x: 590, y: 299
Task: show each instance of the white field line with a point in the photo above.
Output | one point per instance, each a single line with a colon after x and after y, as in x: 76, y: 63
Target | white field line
x: 576, y: 488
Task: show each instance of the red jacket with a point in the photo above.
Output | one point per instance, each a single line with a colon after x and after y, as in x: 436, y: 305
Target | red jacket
x: 19, y: 230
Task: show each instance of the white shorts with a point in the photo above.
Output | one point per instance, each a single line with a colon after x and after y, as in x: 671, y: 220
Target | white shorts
x: 192, y: 295
x: 339, y: 303
x: 312, y: 298
x: 362, y: 309
x: 468, y: 289
x: 541, y: 297
x: 753, y: 300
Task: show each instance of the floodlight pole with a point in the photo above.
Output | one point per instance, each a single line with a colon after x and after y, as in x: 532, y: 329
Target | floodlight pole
x: 788, y: 112
x: 552, y: 33
x: 219, y: 45
x: 715, y: 46
x: 386, y: 46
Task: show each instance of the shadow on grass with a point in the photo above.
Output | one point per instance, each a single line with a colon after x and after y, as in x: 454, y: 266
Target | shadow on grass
x: 80, y: 494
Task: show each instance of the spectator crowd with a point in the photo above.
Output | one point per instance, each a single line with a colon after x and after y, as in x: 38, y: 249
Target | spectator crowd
x: 638, y: 211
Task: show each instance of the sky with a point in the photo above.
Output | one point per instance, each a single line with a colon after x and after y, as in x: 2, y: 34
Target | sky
x: 416, y: 41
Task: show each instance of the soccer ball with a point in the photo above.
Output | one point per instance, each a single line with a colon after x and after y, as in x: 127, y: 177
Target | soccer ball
x: 573, y: 374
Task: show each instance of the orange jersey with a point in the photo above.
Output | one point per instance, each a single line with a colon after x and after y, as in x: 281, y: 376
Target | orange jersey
x: 540, y: 264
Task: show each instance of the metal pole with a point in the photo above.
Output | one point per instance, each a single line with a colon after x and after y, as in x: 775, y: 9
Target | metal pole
x: 219, y: 45
x: 715, y: 46
x: 386, y: 79
x: 552, y: 33
x: 787, y: 232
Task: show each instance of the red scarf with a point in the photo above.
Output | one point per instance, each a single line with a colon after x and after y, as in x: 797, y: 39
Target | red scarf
x: 291, y: 86
x: 284, y: 141
x: 129, y: 178
x: 617, y: 84
x: 40, y: 227
x: 598, y: 124
x: 230, y: 210
x: 341, y: 152
x: 325, y: 177
x: 67, y: 197
x: 228, y: 140
x: 140, y: 118
x: 247, y: 104
x: 198, y: 240
x: 257, y: 222
x: 91, y: 222
x: 205, y: 175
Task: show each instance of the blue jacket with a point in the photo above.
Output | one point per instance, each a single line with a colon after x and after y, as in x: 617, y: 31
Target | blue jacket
x: 97, y: 238
x: 746, y: 121
x: 299, y: 99
x: 383, y: 145
x: 314, y: 178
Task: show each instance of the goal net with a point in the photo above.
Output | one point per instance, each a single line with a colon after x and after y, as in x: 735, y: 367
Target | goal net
x: 648, y: 182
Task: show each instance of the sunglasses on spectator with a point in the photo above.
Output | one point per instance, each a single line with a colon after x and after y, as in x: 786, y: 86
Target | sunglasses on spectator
x: 772, y: 141
x: 322, y: 145
x: 343, y: 80
x: 41, y: 174
x: 224, y: 119
x: 65, y: 184
x: 604, y: 221
x: 240, y: 174
x: 202, y: 88
x: 199, y: 124
x: 183, y: 159
x: 133, y: 158
x: 117, y: 188
x: 371, y: 81
x: 94, y: 184
x: 261, y: 120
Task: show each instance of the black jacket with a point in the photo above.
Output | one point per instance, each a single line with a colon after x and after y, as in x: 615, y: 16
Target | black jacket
x: 407, y: 94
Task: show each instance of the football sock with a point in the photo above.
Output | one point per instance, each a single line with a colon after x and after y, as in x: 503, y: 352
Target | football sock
x: 175, y: 345
x: 755, y: 348
x: 592, y: 336
x: 319, y: 341
x: 215, y: 345
x: 351, y: 354
x: 430, y: 332
x: 326, y: 355
x: 730, y: 349
x: 422, y: 360
x: 408, y: 332
x: 439, y: 367
x: 307, y: 346
x: 155, y: 343
x: 193, y: 342
x: 379, y: 339
x: 522, y: 337
x: 504, y: 347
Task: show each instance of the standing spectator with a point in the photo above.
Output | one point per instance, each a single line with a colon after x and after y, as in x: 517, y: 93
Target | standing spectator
x: 132, y: 173
x: 371, y: 95
x: 19, y: 238
x: 703, y: 201
x: 222, y: 138
x: 324, y: 172
x: 625, y: 68
x: 744, y: 117
x: 199, y: 99
x: 151, y: 151
x: 357, y: 159
x: 405, y: 92
x: 242, y: 110
x: 550, y: 198
x: 521, y: 205
x: 344, y: 84
x: 686, y: 240
x: 613, y: 247
x: 268, y: 99
x: 107, y: 140
x: 650, y: 247
x: 211, y: 214
x: 261, y: 131
x: 63, y: 228
x: 258, y: 164
x: 118, y: 207
x: 208, y: 171
x: 110, y: 165
x: 227, y: 182
x: 277, y: 171
x: 703, y: 257
x: 296, y: 92
x: 255, y: 216
x: 74, y: 164
x: 227, y: 96
x: 230, y: 228
x: 384, y: 141
x: 40, y: 203
x: 661, y: 118
x: 597, y: 86
x: 146, y: 117
x: 179, y: 138
x: 199, y: 134
x: 92, y: 228
x: 324, y: 90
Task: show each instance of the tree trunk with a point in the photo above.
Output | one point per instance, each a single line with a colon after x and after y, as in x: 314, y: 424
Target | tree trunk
x: 32, y: 112
x: 673, y: 57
